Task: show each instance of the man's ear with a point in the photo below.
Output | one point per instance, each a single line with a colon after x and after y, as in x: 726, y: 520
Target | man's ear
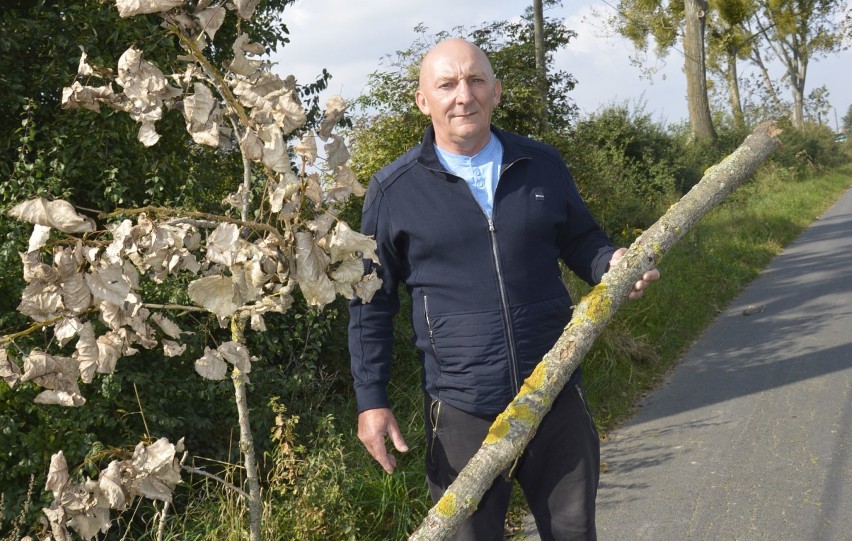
x: 420, y: 99
x: 498, y: 91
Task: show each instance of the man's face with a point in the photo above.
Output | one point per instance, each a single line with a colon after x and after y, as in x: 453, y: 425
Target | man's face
x: 458, y: 91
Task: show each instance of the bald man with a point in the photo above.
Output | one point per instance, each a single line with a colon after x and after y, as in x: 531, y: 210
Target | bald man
x: 474, y: 222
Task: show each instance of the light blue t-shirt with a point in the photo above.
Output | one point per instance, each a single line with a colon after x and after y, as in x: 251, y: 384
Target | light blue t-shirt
x: 481, y: 171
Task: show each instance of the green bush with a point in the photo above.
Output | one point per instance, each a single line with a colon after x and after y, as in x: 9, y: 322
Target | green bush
x: 624, y: 167
x: 808, y: 150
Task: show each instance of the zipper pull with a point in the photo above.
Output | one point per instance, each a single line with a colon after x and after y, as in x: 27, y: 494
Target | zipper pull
x: 491, y: 225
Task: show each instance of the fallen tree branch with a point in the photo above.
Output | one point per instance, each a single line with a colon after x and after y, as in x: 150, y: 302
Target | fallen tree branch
x: 514, y: 428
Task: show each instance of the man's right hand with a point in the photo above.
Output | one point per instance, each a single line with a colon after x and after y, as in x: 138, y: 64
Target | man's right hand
x: 373, y: 426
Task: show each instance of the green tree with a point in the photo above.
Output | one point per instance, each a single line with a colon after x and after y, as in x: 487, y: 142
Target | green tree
x: 847, y: 120
x: 794, y: 32
x: 728, y: 42
x: 669, y: 23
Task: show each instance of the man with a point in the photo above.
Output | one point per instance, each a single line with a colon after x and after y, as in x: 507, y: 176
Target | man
x: 474, y: 221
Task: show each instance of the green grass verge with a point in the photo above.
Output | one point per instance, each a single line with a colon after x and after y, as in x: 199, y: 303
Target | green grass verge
x: 702, y: 274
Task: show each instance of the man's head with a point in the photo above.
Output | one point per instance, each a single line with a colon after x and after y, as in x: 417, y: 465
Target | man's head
x: 458, y: 91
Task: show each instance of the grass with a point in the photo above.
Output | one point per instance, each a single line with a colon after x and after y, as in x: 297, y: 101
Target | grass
x: 702, y: 274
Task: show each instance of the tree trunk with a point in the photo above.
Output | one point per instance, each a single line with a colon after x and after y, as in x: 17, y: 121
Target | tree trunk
x: 255, y: 505
x: 734, y: 98
x: 695, y: 69
x: 515, y: 427
x: 540, y: 65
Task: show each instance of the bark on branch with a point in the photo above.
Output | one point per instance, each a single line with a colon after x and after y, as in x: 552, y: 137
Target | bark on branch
x: 514, y: 428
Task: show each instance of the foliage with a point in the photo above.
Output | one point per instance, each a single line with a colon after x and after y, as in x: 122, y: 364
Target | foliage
x: 795, y: 33
x: 625, y: 166
x: 709, y: 267
x: 510, y: 47
x: 667, y: 23
x: 847, y: 121
x: 233, y: 268
x: 809, y: 150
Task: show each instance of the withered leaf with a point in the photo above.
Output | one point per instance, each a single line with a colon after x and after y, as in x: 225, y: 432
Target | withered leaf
x: 57, y: 474
x: 58, y: 214
x: 212, y: 365
x: 218, y: 294
x: 211, y: 19
x: 129, y: 8
x: 336, y: 152
x: 172, y: 348
x: 307, y: 149
x: 89, y: 525
x: 109, y: 284
x: 345, y: 242
x: 311, y: 261
x: 39, y: 237
x: 86, y: 352
x: 334, y: 109
x: 109, y: 482
x: 366, y: 288
x: 41, y: 301
x: 9, y: 369
x: 246, y: 7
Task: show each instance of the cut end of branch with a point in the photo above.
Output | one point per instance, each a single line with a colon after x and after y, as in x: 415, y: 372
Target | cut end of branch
x: 769, y: 128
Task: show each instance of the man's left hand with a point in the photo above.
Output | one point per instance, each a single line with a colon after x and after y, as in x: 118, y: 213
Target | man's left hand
x: 647, y: 278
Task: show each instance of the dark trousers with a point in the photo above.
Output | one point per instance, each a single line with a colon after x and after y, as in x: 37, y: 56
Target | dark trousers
x: 558, y: 472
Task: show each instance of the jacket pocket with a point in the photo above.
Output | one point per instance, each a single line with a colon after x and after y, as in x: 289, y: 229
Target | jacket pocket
x: 430, y: 330
x: 473, y: 358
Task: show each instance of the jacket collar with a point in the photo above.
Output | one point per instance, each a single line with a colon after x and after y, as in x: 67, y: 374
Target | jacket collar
x: 429, y: 158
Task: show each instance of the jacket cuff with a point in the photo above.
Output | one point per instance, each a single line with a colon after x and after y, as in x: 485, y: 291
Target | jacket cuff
x: 368, y: 397
x: 601, y: 264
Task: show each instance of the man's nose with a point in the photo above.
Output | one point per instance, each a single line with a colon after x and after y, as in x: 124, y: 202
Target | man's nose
x: 463, y: 92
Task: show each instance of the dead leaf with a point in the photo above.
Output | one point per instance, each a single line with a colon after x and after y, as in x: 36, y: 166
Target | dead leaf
x: 129, y: 8
x: 9, y: 369
x: 307, y: 149
x: 212, y: 365
x: 57, y: 474
x: 217, y: 294
x: 334, y: 109
x: 57, y: 214
x: 336, y: 152
x: 345, y: 242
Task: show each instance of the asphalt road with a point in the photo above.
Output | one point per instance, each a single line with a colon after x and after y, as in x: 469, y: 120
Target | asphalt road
x: 750, y: 438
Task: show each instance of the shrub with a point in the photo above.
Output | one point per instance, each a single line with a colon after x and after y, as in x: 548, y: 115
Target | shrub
x: 808, y: 150
x: 623, y: 165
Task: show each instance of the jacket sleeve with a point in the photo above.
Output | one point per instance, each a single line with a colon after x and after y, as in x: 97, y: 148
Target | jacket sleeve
x: 583, y: 245
x: 371, y: 324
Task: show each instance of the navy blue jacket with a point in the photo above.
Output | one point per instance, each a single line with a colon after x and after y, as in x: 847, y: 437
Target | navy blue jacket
x: 488, y: 300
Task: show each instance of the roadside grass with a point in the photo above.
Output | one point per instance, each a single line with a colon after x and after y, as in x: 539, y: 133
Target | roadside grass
x: 701, y: 275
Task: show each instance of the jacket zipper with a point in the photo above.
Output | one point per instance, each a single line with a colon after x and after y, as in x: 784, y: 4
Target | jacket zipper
x: 504, y: 305
x: 514, y: 373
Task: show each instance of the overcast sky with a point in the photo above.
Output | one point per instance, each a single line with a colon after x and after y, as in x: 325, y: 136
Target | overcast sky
x: 350, y: 37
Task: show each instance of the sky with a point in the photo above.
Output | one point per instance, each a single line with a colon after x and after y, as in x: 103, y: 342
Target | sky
x: 349, y: 38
